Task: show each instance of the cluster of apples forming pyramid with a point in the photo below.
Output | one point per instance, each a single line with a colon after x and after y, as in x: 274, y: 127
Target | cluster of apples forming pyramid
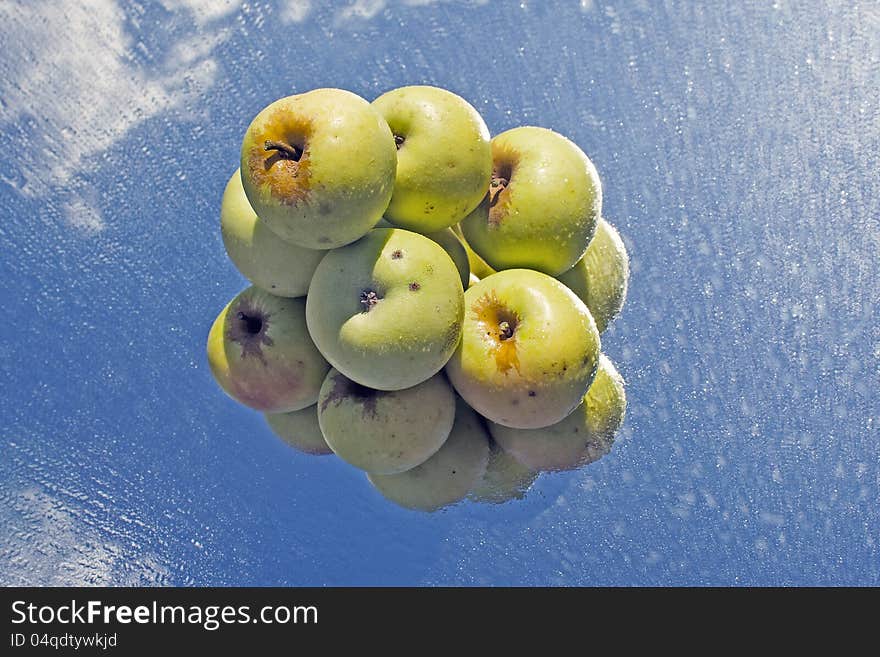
x: 426, y: 302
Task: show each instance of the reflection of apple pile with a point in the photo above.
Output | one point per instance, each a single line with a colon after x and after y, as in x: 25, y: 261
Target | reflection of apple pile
x: 358, y: 337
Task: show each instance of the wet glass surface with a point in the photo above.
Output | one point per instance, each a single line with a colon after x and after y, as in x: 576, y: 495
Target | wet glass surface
x: 738, y: 146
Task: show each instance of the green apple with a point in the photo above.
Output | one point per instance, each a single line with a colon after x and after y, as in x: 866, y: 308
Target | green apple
x: 584, y: 436
x: 443, y: 160
x: 454, y: 247
x: 300, y: 430
x: 446, y: 477
x: 528, y: 352
x: 505, y: 479
x: 452, y: 243
x: 318, y: 167
x: 601, y: 277
x: 385, y: 432
x: 260, y: 353
x: 386, y: 311
x: 266, y: 260
x: 543, y: 203
x: 477, y: 265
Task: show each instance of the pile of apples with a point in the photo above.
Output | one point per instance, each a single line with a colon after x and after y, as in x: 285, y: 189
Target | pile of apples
x: 426, y: 302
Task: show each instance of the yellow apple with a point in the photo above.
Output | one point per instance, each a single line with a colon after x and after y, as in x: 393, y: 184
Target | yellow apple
x: 528, y: 351
x: 584, y: 436
x: 318, y: 168
x: 601, y: 277
x: 266, y: 260
x: 543, y: 203
x: 261, y: 355
x: 443, y: 158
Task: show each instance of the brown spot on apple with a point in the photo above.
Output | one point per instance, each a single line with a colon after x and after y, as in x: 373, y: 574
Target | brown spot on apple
x: 278, y: 161
x: 499, y: 324
x: 248, y: 326
x: 498, y: 197
x: 345, y: 389
x: 497, y: 185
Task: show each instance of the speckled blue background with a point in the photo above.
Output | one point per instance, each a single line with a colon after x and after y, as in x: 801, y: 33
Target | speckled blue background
x: 739, y: 149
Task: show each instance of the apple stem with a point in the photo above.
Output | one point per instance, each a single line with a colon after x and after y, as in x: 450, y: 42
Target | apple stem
x: 369, y: 299
x: 505, y: 330
x: 497, y: 186
x: 292, y: 152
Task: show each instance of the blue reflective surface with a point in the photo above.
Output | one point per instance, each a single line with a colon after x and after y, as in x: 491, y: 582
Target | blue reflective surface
x: 739, y: 150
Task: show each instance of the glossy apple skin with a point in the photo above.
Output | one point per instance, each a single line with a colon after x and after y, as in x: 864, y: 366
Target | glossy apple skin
x: 452, y: 243
x: 583, y: 437
x: 446, y: 477
x: 601, y: 277
x: 300, y: 430
x: 276, y: 369
x: 538, y: 375
x: 266, y: 260
x: 412, y: 325
x: 444, y: 163
x: 505, y: 479
x: 341, y: 184
x: 385, y: 432
x: 546, y: 215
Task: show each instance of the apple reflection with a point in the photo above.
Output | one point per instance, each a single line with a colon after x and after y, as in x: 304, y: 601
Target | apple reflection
x: 485, y: 462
